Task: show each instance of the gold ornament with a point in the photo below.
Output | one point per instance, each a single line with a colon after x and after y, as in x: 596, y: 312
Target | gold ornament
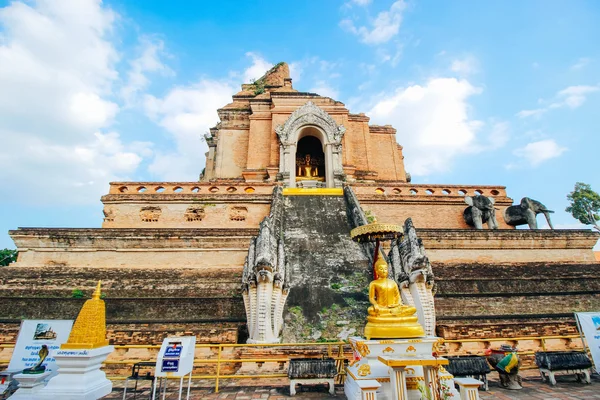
x: 362, y: 349
x: 388, y: 317
x: 364, y: 370
x: 89, y: 330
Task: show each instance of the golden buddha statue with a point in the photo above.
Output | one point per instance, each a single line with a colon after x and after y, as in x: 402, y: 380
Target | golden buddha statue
x: 388, y: 318
x: 306, y: 169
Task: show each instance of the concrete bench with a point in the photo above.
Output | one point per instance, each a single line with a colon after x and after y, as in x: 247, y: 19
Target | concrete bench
x: 469, y: 367
x: 569, y: 362
x: 312, y: 371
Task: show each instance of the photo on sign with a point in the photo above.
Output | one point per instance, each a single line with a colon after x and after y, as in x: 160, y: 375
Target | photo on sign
x: 44, y: 332
x: 596, y: 320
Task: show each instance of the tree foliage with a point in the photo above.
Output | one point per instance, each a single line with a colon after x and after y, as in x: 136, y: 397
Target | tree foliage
x: 7, y: 256
x: 584, y: 204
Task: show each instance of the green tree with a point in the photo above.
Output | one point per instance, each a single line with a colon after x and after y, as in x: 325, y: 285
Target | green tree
x: 584, y: 205
x: 7, y: 256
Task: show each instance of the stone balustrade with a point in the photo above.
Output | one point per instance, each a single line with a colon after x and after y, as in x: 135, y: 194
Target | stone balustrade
x: 407, y: 189
x: 170, y: 188
x: 392, y: 189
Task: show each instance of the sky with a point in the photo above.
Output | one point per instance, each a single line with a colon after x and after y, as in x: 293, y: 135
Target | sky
x: 496, y: 92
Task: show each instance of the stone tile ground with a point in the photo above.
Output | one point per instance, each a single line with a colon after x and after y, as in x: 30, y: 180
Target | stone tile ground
x: 534, y: 389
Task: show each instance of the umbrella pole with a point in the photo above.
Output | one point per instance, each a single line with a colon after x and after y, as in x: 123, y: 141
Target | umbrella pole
x: 375, y: 257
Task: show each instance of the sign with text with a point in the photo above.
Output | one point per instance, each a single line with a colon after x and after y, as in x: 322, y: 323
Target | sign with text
x: 590, y: 328
x: 32, y: 335
x: 173, y: 351
x: 170, y: 365
x: 176, y: 356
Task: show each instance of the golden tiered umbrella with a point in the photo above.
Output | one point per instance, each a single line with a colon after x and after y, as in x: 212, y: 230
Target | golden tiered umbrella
x: 375, y: 232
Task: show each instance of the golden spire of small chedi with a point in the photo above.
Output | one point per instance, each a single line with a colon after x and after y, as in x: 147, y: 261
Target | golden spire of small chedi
x: 89, y: 330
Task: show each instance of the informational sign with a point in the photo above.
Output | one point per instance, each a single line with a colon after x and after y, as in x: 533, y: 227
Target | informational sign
x: 589, y: 323
x: 34, y: 334
x: 173, y: 351
x: 170, y: 365
x: 176, y: 356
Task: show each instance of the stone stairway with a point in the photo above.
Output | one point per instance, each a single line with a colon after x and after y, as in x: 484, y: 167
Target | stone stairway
x: 329, y: 273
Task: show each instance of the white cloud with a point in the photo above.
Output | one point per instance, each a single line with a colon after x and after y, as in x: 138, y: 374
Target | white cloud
x: 538, y: 152
x: 324, y: 89
x: 361, y: 3
x: 432, y: 121
x: 57, y: 70
x: 186, y: 113
x: 581, y: 63
x: 570, y: 97
x: 257, y: 69
x: 383, y: 28
x: 537, y: 112
x: 393, y: 57
x: 149, y: 61
x: 296, y: 70
x: 499, y: 135
x: 574, y: 96
x: 89, y: 110
x: 465, y: 66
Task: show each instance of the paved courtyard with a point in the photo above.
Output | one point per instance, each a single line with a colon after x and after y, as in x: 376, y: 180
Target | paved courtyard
x: 533, y: 388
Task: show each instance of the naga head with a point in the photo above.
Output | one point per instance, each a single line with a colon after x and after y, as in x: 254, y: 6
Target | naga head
x: 264, y: 273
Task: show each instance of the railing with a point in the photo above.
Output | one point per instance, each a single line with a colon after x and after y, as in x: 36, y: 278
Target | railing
x: 407, y: 189
x: 514, y: 342
x: 193, y: 188
x: 340, y: 351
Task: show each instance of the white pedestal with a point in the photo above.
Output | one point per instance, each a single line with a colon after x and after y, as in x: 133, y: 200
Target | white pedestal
x: 29, y: 385
x: 409, y: 366
x: 79, y: 376
x: 469, y: 388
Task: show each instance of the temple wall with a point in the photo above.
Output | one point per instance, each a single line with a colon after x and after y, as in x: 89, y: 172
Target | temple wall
x: 509, y: 246
x: 231, y: 215
x: 356, y: 136
x: 186, y: 205
x: 427, y: 205
x: 232, y: 152
x: 258, y: 150
x: 385, y: 158
x: 133, y: 248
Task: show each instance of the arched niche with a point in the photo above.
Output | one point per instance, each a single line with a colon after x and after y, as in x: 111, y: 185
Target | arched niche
x: 311, y: 120
x: 311, y: 163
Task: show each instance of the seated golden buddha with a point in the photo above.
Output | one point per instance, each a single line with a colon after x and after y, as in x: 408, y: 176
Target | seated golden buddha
x: 308, y: 169
x: 388, y: 318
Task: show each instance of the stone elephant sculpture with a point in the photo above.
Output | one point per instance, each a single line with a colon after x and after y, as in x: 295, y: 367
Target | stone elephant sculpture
x: 481, y: 210
x: 526, y: 212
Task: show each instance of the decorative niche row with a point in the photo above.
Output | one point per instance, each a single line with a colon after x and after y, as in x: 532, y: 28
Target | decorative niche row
x: 195, y: 213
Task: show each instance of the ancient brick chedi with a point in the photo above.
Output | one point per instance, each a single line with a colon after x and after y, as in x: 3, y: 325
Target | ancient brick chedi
x: 171, y: 255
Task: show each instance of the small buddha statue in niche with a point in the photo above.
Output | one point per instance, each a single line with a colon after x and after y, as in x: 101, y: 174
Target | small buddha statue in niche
x: 387, y: 317
x: 306, y: 170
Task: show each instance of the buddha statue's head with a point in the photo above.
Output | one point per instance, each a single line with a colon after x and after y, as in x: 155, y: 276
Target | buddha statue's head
x: 381, y: 268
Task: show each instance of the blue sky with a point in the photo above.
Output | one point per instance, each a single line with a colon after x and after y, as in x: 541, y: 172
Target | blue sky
x: 503, y: 93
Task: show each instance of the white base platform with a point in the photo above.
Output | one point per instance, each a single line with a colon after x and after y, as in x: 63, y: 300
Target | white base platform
x: 29, y: 385
x: 368, y: 367
x: 79, y: 376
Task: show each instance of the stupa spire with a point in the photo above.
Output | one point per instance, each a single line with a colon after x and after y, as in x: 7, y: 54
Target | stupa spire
x: 89, y: 330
